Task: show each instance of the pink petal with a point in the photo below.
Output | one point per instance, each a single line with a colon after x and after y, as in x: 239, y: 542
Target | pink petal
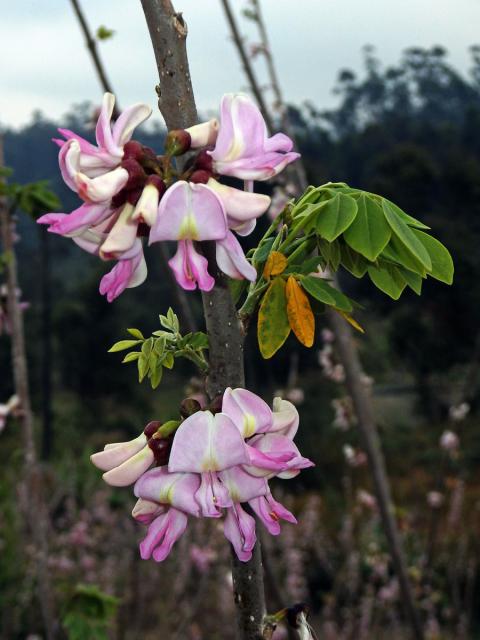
x: 130, y: 470
x: 118, y: 453
x: 268, y: 450
x: 190, y: 268
x: 285, y: 418
x: 189, y: 211
x: 103, y: 187
x: 231, y: 259
x: 78, y: 221
x: 246, y: 228
x: 204, y: 134
x: 146, y: 511
x: 240, y: 206
x: 241, y: 485
x: 103, y: 131
x: 69, y: 162
x: 125, y: 274
x: 212, y: 495
x: 176, y: 489
x: 205, y: 442
x: 239, y: 529
x: 162, y: 535
x: 127, y: 122
x: 270, y: 512
x: 122, y: 235
x: 248, y: 412
x: 146, y: 208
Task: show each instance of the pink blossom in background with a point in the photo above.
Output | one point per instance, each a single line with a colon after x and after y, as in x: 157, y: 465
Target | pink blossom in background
x: 449, y: 441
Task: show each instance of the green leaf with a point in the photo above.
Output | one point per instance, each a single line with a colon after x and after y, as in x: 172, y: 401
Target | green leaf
x: 335, y: 216
x: 168, y: 360
x: 273, y: 327
x: 396, y: 252
x: 142, y: 365
x: 369, y: 233
x: 322, y: 291
x: 123, y: 344
x: 136, y: 333
x: 406, y: 236
x: 156, y: 376
x: 147, y: 347
x: 330, y: 252
x: 309, y: 265
x: 261, y: 253
x: 199, y: 340
x: 130, y: 357
x: 442, y: 263
x: 353, y: 261
x: 412, y: 222
x: 413, y: 280
x: 388, y: 279
x: 159, y: 346
x: 170, y: 321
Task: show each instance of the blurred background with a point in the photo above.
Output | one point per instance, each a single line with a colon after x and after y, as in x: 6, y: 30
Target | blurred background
x: 384, y: 96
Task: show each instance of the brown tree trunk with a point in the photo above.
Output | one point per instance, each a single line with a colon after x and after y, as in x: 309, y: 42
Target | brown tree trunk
x: 168, y: 32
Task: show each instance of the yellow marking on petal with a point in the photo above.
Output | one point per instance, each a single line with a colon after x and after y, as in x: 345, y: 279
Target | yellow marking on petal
x: 249, y: 424
x: 188, y: 229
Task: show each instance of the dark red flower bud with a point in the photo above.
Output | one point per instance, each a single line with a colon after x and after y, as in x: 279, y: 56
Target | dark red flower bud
x: 204, y: 161
x: 177, y: 142
x: 200, y: 176
x: 136, y: 174
x: 151, y: 428
x: 133, y: 149
x: 216, y: 404
x: 189, y: 406
x: 119, y: 199
x: 133, y: 195
x: 161, y: 449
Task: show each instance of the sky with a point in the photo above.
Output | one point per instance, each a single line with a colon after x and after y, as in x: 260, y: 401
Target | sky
x: 44, y: 63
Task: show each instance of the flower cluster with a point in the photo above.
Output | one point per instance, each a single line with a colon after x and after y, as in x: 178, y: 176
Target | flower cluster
x: 209, y: 465
x: 129, y: 192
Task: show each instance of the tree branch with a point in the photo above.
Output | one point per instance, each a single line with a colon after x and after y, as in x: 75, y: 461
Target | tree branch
x: 168, y: 33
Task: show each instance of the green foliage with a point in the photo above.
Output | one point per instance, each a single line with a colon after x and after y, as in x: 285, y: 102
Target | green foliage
x: 273, y: 326
x: 89, y: 613
x: 34, y: 198
x: 158, y: 352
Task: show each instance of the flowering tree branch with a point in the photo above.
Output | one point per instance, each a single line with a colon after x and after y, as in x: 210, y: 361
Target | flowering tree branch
x: 168, y: 33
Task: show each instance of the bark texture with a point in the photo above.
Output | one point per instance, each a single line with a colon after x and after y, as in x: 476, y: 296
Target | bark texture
x: 168, y: 32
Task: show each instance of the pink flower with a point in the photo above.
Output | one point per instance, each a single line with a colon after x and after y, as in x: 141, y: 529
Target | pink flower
x: 194, y: 212
x: 124, y: 462
x: 243, y: 148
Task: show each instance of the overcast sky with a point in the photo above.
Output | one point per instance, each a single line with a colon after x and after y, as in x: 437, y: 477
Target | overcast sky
x: 44, y: 64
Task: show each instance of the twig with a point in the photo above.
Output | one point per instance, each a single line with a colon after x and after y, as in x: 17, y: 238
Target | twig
x: 369, y: 434
x: 36, y: 515
x: 350, y: 360
x: 92, y: 47
x: 186, y: 314
x: 168, y: 33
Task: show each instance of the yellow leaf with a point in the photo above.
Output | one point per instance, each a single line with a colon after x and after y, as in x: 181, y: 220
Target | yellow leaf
x: 299, y: 311
x: 275, y: 265
x: 350, y: 320
x: 273, y: 326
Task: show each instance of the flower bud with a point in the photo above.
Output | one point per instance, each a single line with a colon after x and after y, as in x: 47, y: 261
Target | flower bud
x: 152, y: 428
x: 133, y: 149
x: 189, y: 406
x: 136, y: 174
x: 204, y: 160
x: 204, y: 134
x: 200, y: 176
x: 177, y: 142
x: 161, y: 448
x: 119, y: 199
x: 216, y: 405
